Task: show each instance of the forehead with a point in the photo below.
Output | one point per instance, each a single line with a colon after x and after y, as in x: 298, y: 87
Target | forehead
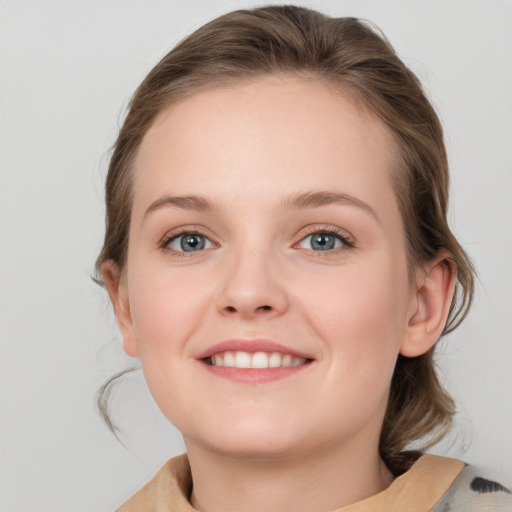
x: 274, y: 133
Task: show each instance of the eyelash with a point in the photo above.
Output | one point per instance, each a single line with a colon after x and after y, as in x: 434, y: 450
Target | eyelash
x: 164, y: 244
x: 346, y: 240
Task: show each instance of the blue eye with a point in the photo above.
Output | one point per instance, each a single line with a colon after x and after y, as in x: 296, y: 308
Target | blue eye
x: 189, y: 242
x: 322, y: 241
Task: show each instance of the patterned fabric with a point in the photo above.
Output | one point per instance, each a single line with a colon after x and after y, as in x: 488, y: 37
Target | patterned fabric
x: 471, y: 492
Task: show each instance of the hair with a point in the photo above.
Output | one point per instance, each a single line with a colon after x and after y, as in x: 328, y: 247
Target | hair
x: 355, y: 58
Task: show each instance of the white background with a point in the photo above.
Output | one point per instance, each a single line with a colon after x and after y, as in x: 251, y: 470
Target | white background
x: 67, y: 69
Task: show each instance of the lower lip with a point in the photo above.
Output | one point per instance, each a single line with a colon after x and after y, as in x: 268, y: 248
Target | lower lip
x: 254, y: 375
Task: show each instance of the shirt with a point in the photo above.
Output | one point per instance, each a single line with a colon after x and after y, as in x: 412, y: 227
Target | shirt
x: 432, y: 484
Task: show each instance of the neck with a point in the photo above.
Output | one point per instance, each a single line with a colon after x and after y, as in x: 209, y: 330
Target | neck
x: 326, y: 480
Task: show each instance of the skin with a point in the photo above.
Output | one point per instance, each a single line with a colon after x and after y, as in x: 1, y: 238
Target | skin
x: 307, y: 442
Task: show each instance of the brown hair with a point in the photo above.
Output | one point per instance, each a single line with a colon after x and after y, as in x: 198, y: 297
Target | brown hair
x: 349, y: 54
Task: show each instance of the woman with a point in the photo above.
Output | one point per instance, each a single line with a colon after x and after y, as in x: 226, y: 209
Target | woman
x: 278, y: 257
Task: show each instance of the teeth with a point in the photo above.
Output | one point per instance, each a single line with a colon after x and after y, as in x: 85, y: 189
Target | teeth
x: 259, y: 360
x: 274, y: 361
x: 229, y: 359
x: 242, y: 359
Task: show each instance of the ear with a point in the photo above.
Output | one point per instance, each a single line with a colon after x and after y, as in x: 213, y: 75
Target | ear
x: 430, y: 305
x: 118, y: 291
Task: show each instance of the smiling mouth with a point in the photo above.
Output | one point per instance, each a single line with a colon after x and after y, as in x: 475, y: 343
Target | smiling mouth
x: 259, y: 360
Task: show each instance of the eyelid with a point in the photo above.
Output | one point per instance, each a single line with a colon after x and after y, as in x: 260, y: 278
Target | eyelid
x: 175, y: 233
x: 348, y: 240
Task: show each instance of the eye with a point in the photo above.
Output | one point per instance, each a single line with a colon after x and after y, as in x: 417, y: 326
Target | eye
x: 189, y: 242
x: 323, y: 241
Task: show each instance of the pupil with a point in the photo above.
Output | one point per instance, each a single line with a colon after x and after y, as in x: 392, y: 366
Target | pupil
x: 322, y: 242
x: 192, y: 242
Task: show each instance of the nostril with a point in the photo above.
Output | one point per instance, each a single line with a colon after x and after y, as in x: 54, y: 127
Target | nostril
x: 243, y: 311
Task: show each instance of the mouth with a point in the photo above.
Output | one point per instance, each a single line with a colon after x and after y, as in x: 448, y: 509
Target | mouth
x: 241, y: 359
x: 253, y: 361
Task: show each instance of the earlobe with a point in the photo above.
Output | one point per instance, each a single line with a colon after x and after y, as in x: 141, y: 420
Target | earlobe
x: 430, y: 306
x: 118, y: 292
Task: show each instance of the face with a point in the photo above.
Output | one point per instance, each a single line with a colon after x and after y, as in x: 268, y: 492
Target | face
x: 265, y: 233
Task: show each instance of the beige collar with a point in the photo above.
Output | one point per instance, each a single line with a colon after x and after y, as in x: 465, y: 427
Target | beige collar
x: 418, y: 489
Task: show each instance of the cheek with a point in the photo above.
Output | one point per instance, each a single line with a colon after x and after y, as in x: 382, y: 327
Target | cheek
x: 363, y: 314
x: 166, y: 308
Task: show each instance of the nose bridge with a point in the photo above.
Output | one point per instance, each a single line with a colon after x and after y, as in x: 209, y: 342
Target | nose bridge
x: 250, y: 285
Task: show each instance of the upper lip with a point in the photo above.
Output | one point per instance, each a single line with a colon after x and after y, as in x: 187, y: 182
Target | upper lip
x: 251, y: 346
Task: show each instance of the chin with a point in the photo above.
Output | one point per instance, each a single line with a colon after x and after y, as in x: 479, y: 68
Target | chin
x: 256, y: 449
x: 258, y: 439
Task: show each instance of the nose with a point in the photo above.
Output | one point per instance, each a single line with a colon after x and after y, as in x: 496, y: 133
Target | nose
x: 252, y: 286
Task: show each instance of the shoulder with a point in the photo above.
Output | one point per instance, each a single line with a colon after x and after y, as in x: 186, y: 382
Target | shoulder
x: 475, y: 490
x: 167, y: 491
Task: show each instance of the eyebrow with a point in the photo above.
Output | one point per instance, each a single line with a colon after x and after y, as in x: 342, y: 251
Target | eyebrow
x: 313, y: 199
x: 196, y: 203
x: 309, y: 199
